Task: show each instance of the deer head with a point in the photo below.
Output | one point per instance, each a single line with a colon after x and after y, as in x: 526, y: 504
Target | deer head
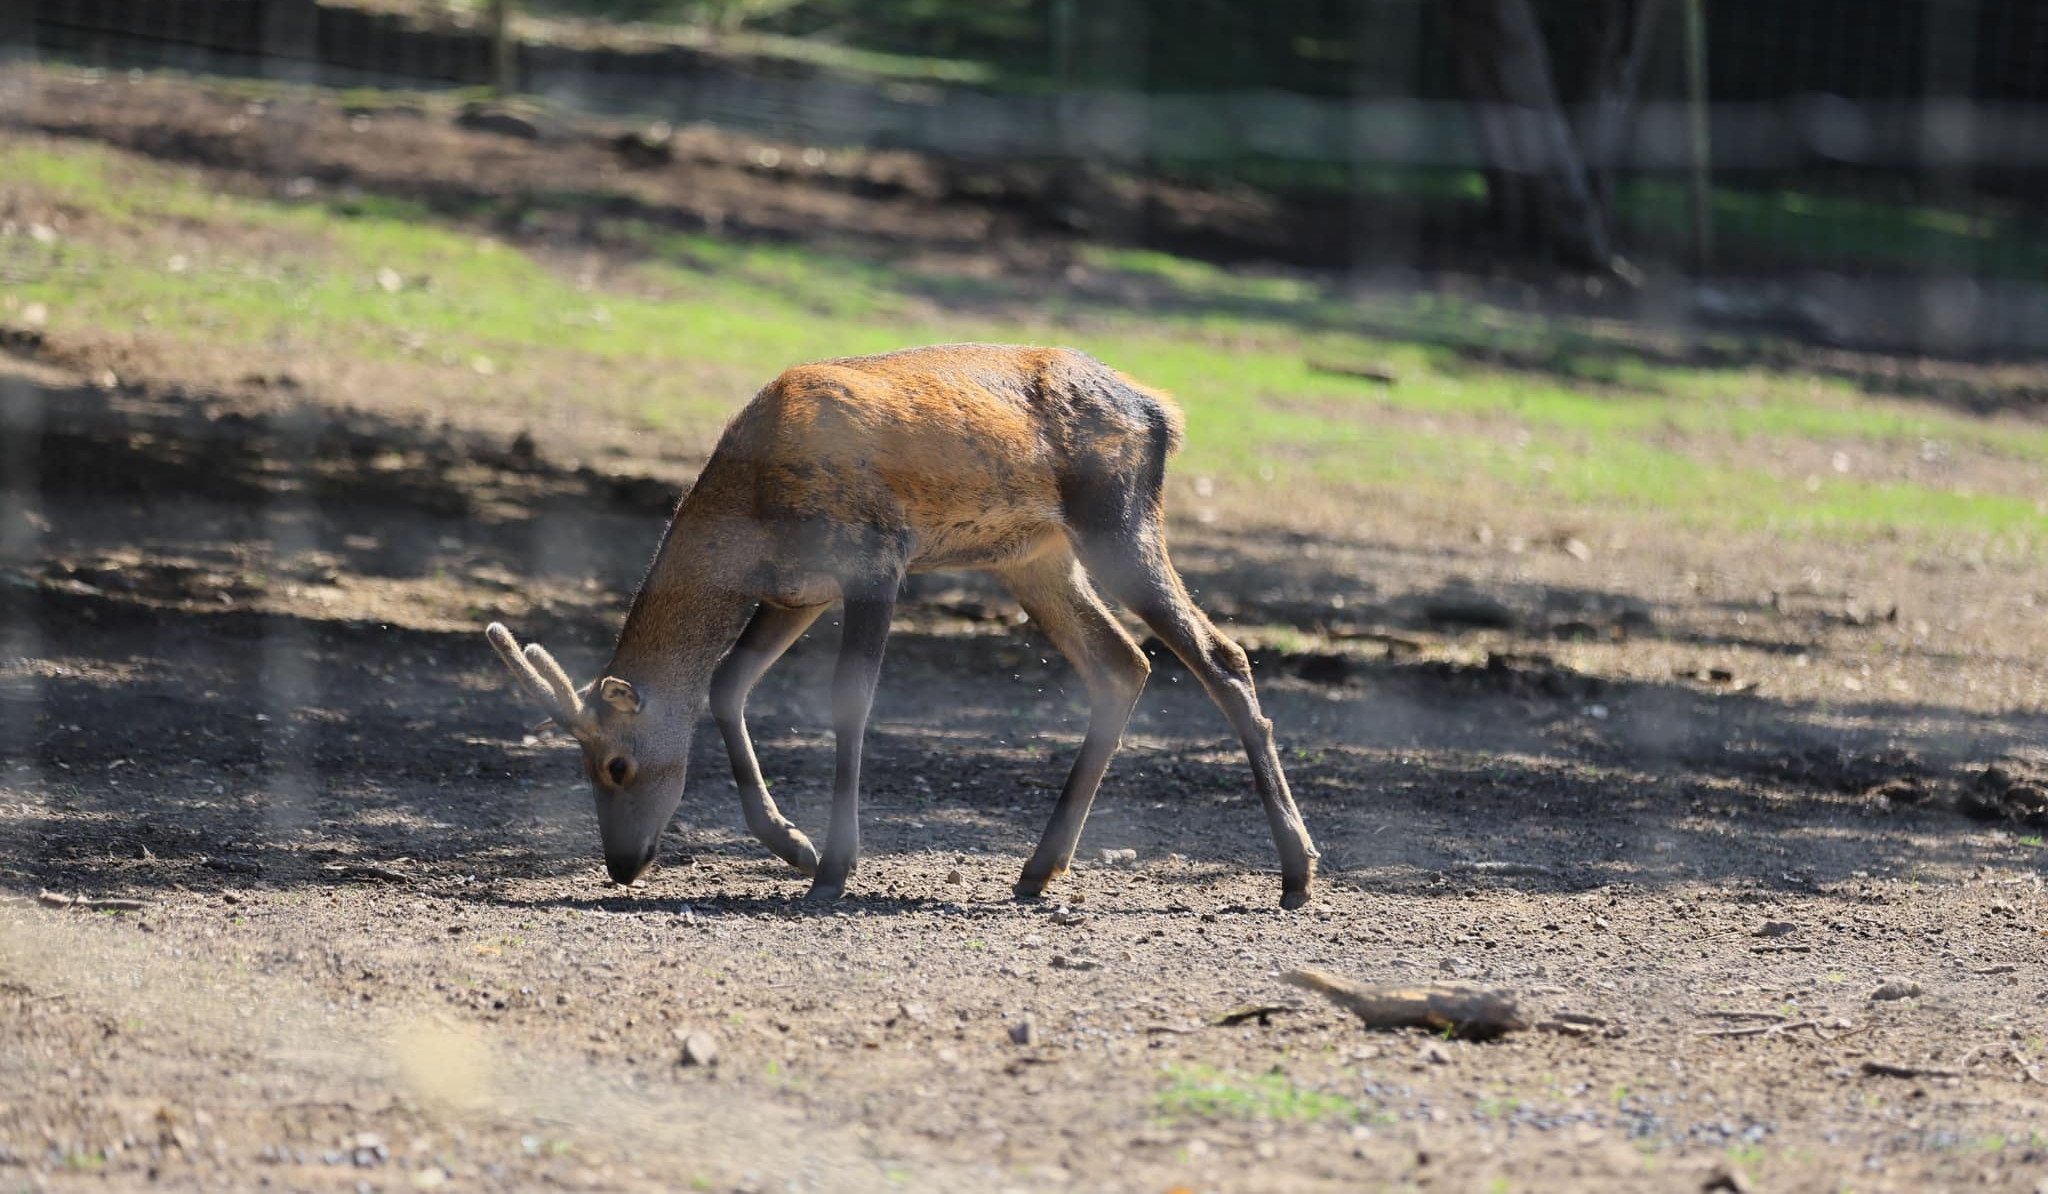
x: 636, y: 771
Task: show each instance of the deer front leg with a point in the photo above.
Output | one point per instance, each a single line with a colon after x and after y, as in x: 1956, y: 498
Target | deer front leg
x: 862, y: 640
x: 771, y: 633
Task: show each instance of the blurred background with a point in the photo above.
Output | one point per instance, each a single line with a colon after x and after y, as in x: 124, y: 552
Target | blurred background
x: 1863, y: 174
x: 1617, y: 429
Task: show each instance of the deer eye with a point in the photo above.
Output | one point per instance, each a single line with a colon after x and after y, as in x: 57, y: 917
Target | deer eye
x: 619, y: 769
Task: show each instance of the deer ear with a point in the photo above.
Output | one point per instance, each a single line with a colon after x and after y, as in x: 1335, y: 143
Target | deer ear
x: 618, y: 694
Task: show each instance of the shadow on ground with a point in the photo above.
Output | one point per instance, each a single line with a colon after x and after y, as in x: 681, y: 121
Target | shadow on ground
x: 243, y: 648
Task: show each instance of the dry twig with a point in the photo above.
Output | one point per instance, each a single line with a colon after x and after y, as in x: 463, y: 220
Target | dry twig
x: 90, y: 903
x: 364, y: 870
x: 1886, y: 1069
x: 1768, y: 1030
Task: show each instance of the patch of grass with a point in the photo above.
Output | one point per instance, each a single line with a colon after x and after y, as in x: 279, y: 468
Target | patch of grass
x: 1801, y: 225
x: 1205, y: 1092
x: 703, y: 321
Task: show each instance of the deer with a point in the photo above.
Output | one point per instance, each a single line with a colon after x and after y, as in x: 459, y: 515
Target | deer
x: 1041, y: 466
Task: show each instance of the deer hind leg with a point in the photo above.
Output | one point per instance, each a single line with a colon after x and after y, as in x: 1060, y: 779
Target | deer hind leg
x: 1135, y: 568
x: 772, y: 632
x: 1056, y: 593
x: 864, y: 635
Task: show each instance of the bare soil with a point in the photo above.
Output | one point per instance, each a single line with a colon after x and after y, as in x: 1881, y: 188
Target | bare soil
x: 1752, y: 830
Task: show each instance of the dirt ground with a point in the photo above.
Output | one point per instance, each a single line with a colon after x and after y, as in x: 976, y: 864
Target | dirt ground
x: 1751, y: 829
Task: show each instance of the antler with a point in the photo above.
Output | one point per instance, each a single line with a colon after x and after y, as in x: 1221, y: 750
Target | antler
x: 542, y: 675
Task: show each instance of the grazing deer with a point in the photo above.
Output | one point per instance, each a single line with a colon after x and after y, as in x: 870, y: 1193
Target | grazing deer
x: 1041, y: 465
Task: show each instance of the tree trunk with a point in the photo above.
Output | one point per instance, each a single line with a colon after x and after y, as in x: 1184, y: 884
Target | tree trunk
x: 17, y: 32
x: 504, y: 50
x: 1626, y: 37
x: 1536, y: 176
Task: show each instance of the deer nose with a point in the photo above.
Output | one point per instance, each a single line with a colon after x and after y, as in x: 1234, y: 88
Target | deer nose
x: 626, y: 867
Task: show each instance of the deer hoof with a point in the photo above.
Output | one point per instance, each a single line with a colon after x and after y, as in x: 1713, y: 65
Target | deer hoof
x: 1290, y: 900
x: 1029, y: 889
x: 802, y: 854
x: 822, y: 893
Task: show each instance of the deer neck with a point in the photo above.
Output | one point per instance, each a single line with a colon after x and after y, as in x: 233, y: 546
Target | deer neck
x: 691, y: 607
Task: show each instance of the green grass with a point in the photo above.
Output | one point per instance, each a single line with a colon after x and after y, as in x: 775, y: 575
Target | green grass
x: 1203, y: 1092
x: 1577, y: 424
x: 1797, y: 225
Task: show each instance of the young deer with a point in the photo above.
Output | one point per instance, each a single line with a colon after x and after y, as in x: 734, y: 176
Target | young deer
x: 1041, y: 465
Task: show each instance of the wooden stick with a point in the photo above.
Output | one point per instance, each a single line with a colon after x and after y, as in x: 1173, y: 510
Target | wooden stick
x: 363, y: 870
x: 1474, y: 1013
x: 1762, y: 1029
x: 91, y: 904
x: 1886, y: 1069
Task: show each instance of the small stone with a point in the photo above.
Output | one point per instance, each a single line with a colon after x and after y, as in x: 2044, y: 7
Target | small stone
x: 699, y: 1049
x: 955, y: 877
x: 1895, y: 988
x: 1576, y: 548
x: 1119, y: 857
x: 1600, y: 922
x: 1068, y: 916
x: 1025, y: 1031
x: 913, y: 1012
x: 1433, y: 1054
x: 1776, y: 928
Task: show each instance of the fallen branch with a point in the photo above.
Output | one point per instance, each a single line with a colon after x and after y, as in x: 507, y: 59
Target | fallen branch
x: 89, y: 903
x: 1767, y: 1029
x: 363, y: 870
x: 1886, y: 1069
x: 1474, y: 1013
x: 1718, y: 1015
x: 1262, y: 1012
x: 1377, y: 373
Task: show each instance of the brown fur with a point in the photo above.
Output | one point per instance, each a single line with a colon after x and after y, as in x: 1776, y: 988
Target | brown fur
x: 838, y: 478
